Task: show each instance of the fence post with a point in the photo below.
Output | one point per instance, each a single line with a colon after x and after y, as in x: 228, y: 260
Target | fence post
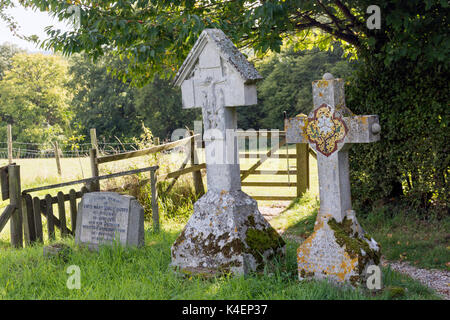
x: 197, y: 175
x: 15, y: 197
x: 95, y: 185
x: 9, y: 135
x: 94, y: 141
x: 302, y: 150
x: 58, y: 163
x: 29, y: 228
x: 155, y: 209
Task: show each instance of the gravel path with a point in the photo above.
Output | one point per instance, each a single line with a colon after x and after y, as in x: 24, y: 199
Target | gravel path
x: 438, y: 280
x: 274, y: 210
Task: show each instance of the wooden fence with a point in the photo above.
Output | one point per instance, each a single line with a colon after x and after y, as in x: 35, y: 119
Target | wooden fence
x: 24, y: 211
x: 191, y: 158
x: 301, y: 171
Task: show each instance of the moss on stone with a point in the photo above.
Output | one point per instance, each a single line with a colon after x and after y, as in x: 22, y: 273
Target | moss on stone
x: 353, y: 244
x: 251, y: 221
x: 263, y: 240
x: 180, y: 238
x: 303, y: 273
x: 226, y: 267
x: 260, y: 242
x: 235, y: 246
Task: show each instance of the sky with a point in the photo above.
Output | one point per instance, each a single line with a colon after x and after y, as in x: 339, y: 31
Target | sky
x: 30, y: 22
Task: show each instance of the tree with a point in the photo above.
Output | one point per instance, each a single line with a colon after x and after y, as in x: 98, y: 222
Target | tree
x: 159, y: 106
x: 7, y: 51
x: 287, y: 82
x: 35, y: 99
x: 157, y: 35
x: 116, y: 109
x: 102, y: 101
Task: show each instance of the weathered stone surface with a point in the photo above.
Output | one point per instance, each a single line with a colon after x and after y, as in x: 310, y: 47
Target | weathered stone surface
x: 330, y: 129
x: 339, y: 252
x: 226, y: 233
x: 105, y: 217
x: 214, y: 56
x: 57, y: 250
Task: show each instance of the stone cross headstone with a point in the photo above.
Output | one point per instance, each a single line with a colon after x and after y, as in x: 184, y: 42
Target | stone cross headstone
x: 339, y: 249
x: 107, y: 217
x: 226, y: 231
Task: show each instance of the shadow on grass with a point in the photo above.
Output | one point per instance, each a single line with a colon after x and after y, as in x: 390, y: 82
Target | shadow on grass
x: 299, y: 217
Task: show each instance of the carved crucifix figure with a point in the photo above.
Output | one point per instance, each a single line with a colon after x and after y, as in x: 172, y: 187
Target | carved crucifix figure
x: 330, y: 129
x: 219, y: 236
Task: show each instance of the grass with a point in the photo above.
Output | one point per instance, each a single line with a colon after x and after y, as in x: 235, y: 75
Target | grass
x: 405, y: 237
x: 402, y: 235
x: 118, y: 273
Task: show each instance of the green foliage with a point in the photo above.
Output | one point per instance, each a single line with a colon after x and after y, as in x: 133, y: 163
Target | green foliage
x: 102, y: 101
x: 412, y: 157
x: 287, y: 82
x: 7, y: 51
x: 34, y: 98
x: 406, y: 236
x: 158, y: 105
x: 404, y: 81
x: 155, y: 36
x: 116, y: 109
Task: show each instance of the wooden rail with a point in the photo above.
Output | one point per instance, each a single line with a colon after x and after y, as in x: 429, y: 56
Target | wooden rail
x: 139, y: 153
x: 25, y: 212
x: 6, y: 215
x: 263, y: 155
x: 263, y: 158
x: 108, y: 176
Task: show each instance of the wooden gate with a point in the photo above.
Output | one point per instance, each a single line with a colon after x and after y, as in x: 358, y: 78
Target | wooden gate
x: 300, y: 171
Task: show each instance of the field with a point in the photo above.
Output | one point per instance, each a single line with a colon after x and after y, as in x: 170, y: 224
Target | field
x: 116, y: 273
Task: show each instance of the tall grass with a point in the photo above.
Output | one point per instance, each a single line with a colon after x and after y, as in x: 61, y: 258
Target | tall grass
x: 145, y: 273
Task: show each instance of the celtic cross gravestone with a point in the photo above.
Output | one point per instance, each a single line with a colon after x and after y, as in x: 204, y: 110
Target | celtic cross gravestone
x: 339, y: 249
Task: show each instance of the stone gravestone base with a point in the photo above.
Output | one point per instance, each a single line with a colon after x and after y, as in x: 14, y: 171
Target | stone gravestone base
x: 340, y: 252
x: 226, y: 233
x: 57, y: 250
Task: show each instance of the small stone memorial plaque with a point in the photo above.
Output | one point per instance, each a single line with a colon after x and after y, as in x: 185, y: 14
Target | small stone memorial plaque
x: 105, y: 217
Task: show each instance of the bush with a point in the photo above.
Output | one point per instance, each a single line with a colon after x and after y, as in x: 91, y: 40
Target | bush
x: 411, y: 161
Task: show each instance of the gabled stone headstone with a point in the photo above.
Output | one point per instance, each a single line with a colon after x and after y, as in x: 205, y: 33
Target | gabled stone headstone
x: 226, y: 231
x: 107, y: 217
x: 339, y: 249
